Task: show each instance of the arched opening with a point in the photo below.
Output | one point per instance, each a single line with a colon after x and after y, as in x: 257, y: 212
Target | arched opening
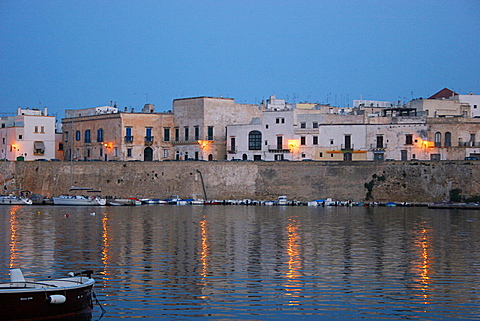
x: 448, y: 139
x: 148, y: 154
x: 244, y: 157
x: 210, y: 157
x: 255, y: 140
x: 438, y: 139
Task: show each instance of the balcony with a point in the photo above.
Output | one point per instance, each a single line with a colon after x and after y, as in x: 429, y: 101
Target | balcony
x: 232, y: 150
x: 378, y: 147
x: 128, y: 139
x: 148, y: 140
x: 306, y: 131
x: 347, y: 146
x: 277, y: 150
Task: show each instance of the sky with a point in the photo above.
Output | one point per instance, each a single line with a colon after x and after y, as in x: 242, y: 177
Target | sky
x: 70, y: 54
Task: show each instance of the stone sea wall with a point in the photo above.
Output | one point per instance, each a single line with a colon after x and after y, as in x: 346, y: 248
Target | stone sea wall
x: 414, y: 181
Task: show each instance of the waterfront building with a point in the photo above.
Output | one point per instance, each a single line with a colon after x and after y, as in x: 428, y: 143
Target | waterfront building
x: 29, y: 135
x: 318, y: 134
x: 106, y: 133
x: 199, y: 132
x: 454, y: 138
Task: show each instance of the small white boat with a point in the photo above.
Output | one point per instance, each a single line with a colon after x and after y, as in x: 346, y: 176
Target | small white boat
x: 14, y: 200
x: 197, y: 202
x: 282, y: 200
x: 22, y: 299
x: 78, y: 200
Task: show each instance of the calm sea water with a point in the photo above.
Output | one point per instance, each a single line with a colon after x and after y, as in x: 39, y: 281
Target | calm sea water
x: 255, y: 263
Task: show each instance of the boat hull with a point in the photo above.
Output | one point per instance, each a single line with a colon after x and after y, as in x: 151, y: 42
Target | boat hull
x: 13, y: 200
x: 78, y: 201
x: 32, y: 305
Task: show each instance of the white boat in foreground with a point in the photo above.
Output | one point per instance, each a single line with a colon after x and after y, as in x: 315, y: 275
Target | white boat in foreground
x: 78, y: 200
x: 22, y: 299
x: 14, y: 200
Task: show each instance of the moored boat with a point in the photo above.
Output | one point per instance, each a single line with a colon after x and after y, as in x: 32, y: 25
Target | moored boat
x: 14, y: 200
x: 22, y: 299
x: 78, y: 200
x: 282, y: 200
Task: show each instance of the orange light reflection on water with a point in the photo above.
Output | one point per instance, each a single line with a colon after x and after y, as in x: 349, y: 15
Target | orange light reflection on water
x: 13, y: 236
x: 294, y: 261
x: 105, y: 248
x: 425, y: 278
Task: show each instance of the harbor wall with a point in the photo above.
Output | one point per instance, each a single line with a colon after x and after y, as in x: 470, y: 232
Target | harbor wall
x: 413, y: 181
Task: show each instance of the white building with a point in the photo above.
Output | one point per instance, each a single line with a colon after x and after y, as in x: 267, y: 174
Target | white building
x: 29, y: 135
x: 473, y: 101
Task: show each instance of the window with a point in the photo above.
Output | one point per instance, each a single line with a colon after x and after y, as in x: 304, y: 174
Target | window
x: 87, y: 136
x: 472, y: 139
x: 277, y: 120
x: 186, y: 133
x: 101, y: 152
x: 331, y: 141
x: 66, y: 136
x: 280, y: 120
x: 77, y: 135
x: 166, y: 134
x: 36, y: 129
x: 302, y: 140
x: 100, y: 135
x: 42, y: 129
x: 210, y: 133
x: 148, y: 134
x: 165, y: 153
x: 177, y: 134
x: 129, y: 152
x: 303, y: 125
x: 39, y: 148
x: 448, y: 139
x: 321, y: 154
x: 315, y: 140
x: 409, y: 139
x: 115, y: 152
x: 128, y: 134
x: 380, y: 141
x: 255, y: 140
x: 60, y: 146
x: 232, y: 144
x: 197, y: 133
x: 20, y: 137
x: 438, y: 139
x: 315, y: 125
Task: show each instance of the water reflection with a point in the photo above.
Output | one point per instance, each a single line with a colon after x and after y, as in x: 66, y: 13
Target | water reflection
x: 234, y: 262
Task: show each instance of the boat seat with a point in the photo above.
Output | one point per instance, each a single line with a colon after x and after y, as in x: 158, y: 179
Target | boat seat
x: 16, y: 275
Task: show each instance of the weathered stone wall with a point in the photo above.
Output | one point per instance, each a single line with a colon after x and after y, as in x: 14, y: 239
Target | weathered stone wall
x: 379, y: 181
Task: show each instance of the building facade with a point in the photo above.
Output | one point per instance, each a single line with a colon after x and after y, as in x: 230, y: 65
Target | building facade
x: 200, y: 126
x: 30, y: 135
x: 111, y: 135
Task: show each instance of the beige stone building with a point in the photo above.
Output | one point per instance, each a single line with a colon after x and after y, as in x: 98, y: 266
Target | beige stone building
x: 200, y: 125
x: 454, y: 138
x: 105, y: 133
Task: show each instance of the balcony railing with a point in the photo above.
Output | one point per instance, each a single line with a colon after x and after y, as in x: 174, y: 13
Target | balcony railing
x: 276, y: 149
x: 128, y: 139
x: 347, y: 146
x: 378, y: 147
x: 306, y: 131
x: 232, y: 150
x: 148, y: 140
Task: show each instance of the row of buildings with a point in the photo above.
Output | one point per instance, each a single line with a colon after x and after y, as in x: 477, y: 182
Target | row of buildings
x: 445, y: 126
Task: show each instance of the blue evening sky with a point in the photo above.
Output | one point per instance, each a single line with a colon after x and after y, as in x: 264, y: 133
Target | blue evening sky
x: 69, y: 54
